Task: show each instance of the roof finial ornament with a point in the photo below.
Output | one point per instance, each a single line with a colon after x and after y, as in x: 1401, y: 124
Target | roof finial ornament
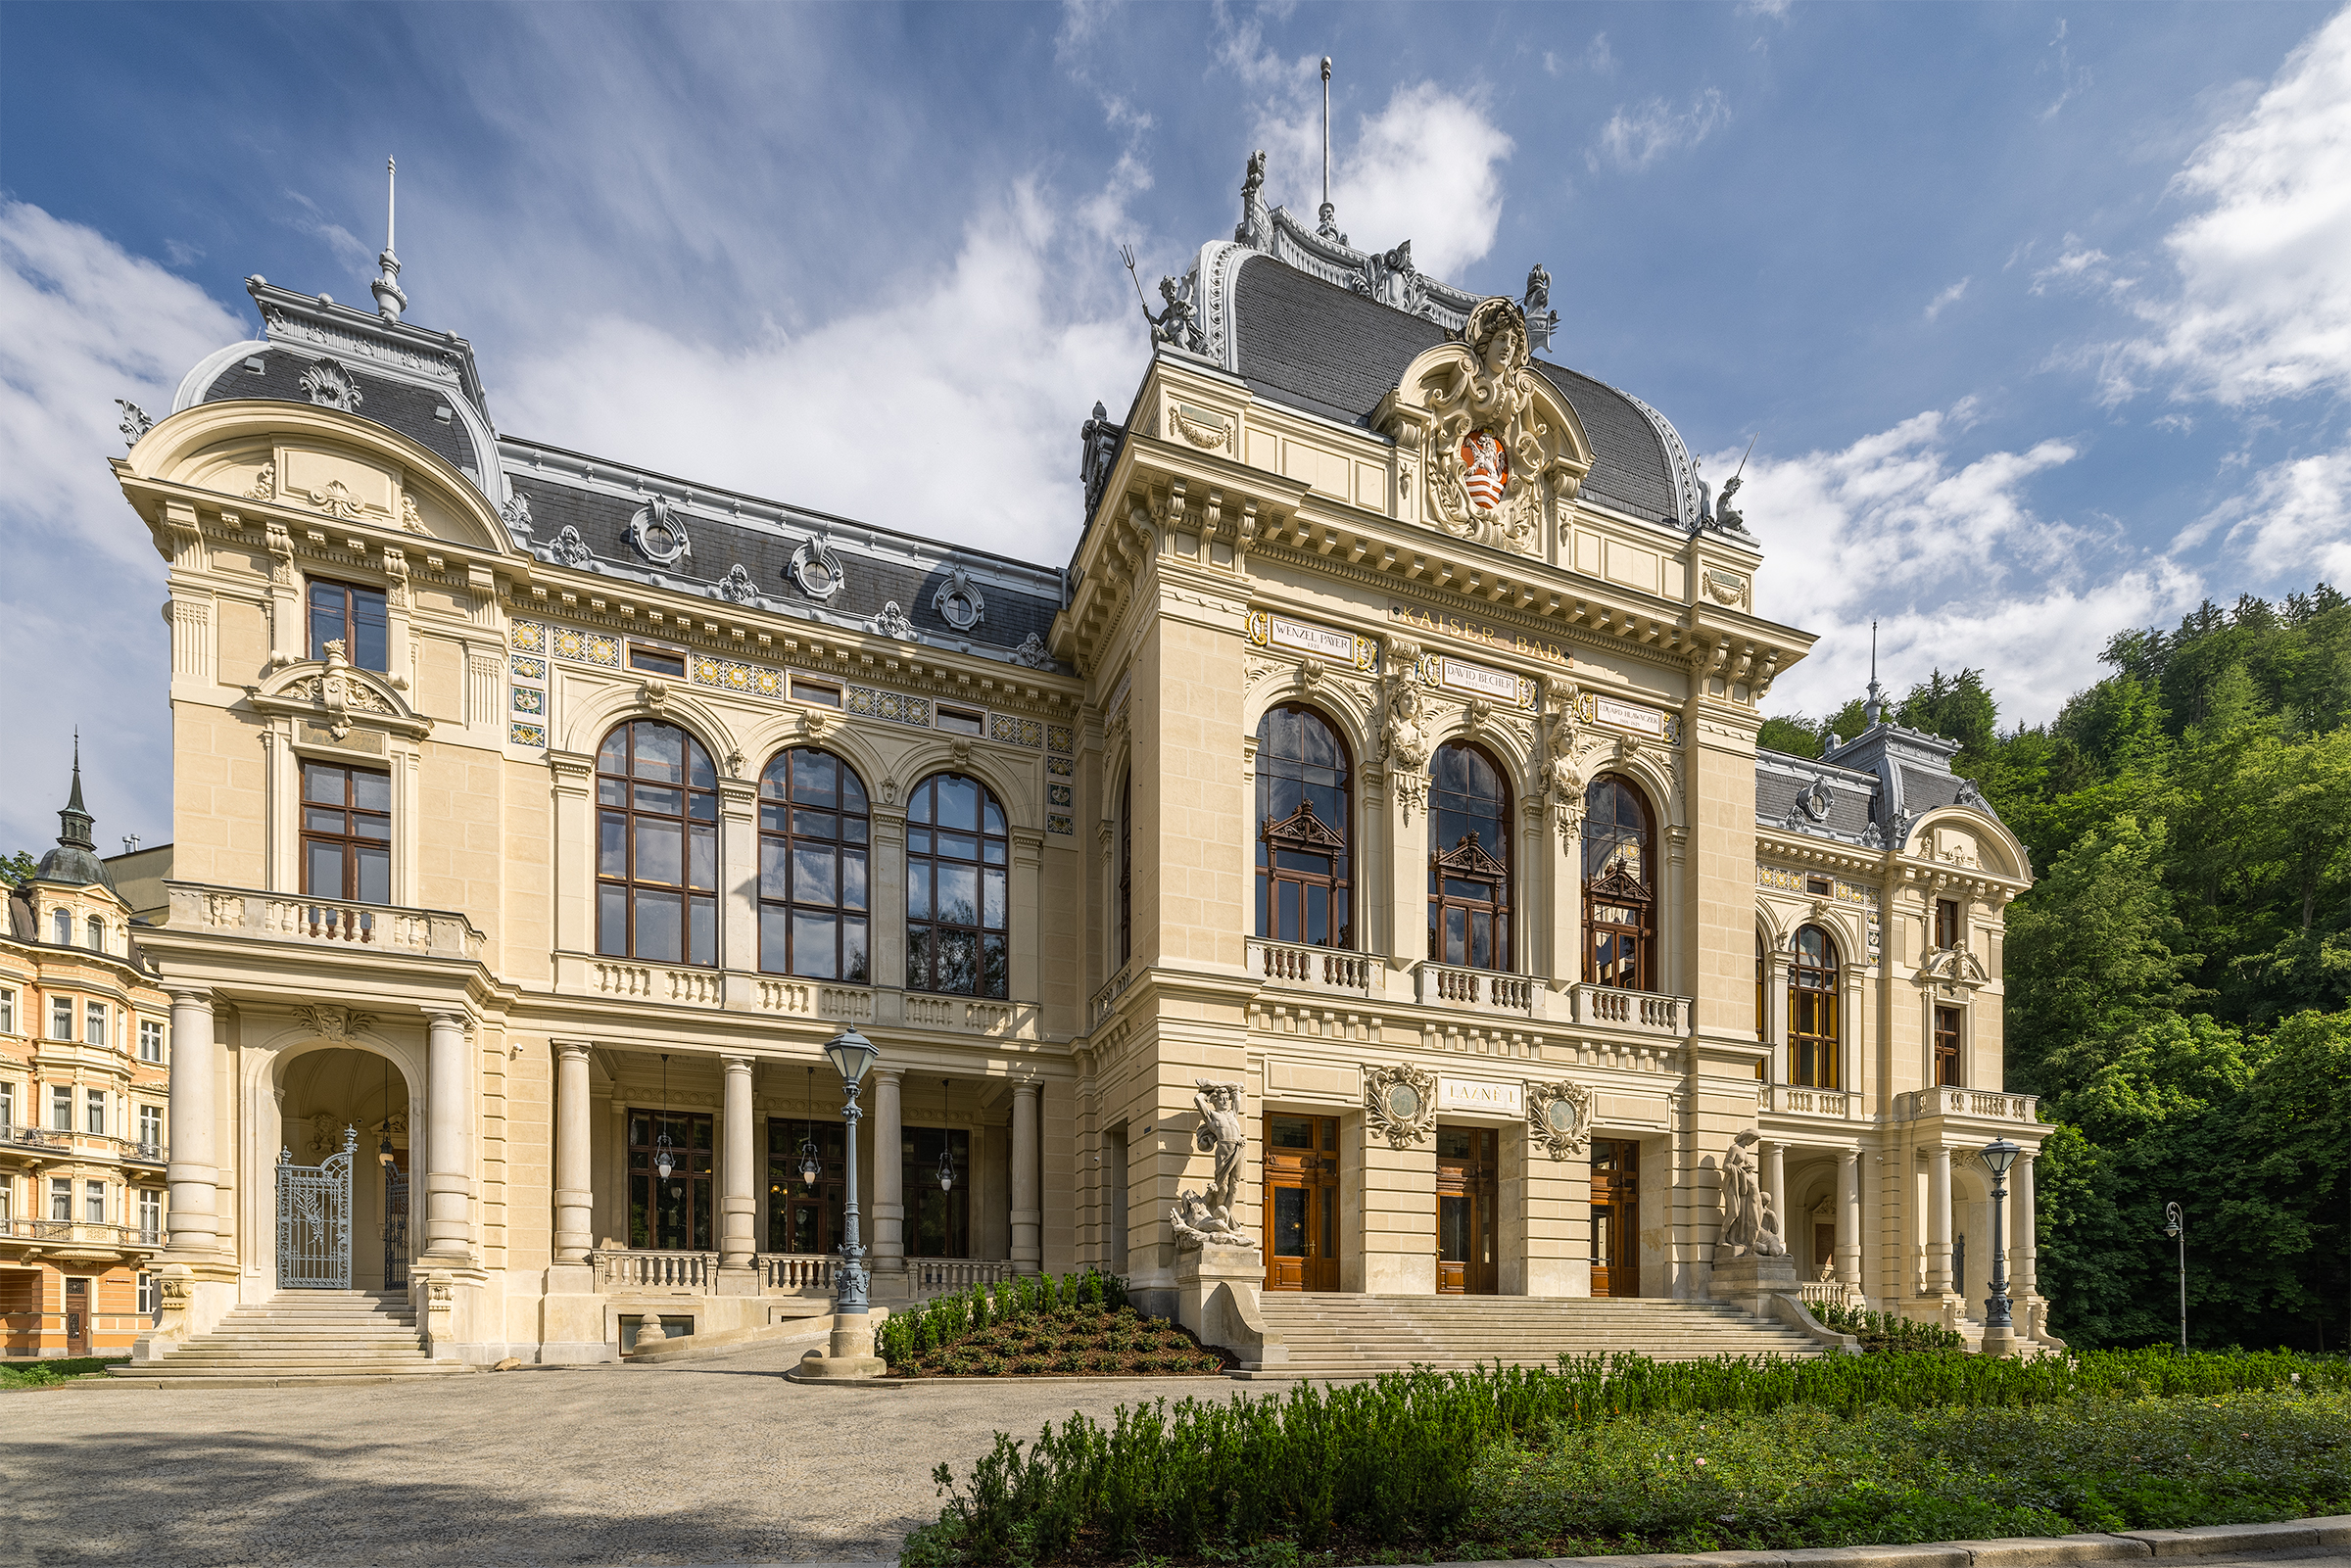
x: 389, y: 301
x: 1876, y: 706
x: 74, y: 821
x: 1330, y: 228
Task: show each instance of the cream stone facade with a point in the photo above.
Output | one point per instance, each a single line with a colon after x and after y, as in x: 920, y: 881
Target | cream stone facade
x: 1387, y: 749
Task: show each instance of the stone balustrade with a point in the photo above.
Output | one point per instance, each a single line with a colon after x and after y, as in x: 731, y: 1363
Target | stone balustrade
x: 1610, y: 1006
x: 1795, y: 1099
x: 937, y: 1276
x: 1437, y: 984
x: 281, y: 917
x: 1315, y: 968
x: 798, y: 1273
x: 1975, y: 1104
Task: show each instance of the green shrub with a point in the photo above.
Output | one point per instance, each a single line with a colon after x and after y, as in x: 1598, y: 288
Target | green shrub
x: 1387, y: 1463
x: 1882, y: 1331
x: 906, y: 1337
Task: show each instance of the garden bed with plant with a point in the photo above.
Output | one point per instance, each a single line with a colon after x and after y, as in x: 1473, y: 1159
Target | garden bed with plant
x: 49, y: 1373
x: 1078, y: 1325
x: 1881, y: 1333
x: 1623, y: 1455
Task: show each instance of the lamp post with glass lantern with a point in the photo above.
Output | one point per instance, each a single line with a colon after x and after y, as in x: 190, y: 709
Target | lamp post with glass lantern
x: 1999, y: 1330
x: 2175, y: 1225
x: 851, y: 1351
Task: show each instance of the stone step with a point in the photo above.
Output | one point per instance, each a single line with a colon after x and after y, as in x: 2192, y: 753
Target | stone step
x: 1338, y: 1336
x: 301, y: 1337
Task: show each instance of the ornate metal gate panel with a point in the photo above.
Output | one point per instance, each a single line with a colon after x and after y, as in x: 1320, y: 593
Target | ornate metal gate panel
x: 396, y: 1228
x: 313, y: 1219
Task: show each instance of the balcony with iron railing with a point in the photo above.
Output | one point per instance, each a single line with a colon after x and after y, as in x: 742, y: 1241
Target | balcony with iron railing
x: 323, y: 922
x: 37, y: 1142
x: 80, y: 1235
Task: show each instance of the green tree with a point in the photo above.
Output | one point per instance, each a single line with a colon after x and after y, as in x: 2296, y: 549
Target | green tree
x: 16, y: 870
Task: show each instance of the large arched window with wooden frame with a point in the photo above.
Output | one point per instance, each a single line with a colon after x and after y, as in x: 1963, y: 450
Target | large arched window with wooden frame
x: 957, y: 851
x: 1469, y: 858
x: 1812, y: 1054
x: 814, y: 839
x: 656, y: 856
x: 1304, y: 823
x: 1620, y: 901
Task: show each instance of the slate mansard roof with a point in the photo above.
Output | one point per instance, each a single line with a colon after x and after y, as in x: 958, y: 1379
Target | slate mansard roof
x: 1864, y: 791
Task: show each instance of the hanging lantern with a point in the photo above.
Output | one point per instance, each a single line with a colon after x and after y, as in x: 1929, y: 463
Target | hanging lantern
x: 946, y: 1148
x: 383, y: 1149
x: 663, y: 1161
x: 812, y: 1169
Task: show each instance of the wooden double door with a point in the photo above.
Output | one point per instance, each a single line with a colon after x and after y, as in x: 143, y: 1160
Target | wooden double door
x: 1616, y: 1217
x: 1302, y: 1203
x: 1468, y: 1178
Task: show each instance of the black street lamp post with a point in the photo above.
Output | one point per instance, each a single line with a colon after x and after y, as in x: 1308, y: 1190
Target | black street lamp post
x: 851, y: 1054
x: 1998, y: 1155
x: 2175, y: 1225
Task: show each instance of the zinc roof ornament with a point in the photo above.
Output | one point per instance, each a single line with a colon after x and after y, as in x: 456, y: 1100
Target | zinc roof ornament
x: 389, y: 299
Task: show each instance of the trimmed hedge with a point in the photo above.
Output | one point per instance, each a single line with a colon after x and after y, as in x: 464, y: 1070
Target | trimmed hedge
x: 905, y: 1337
x: 1391, y: 1462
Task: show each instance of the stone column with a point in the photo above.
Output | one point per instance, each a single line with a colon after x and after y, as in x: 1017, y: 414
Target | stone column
x: 448, y: 1141
x: 1027, y: 1240
x: 2022, y: 1244
x: 738, y: 875
x: 575, y: 1191
x: 194, y: 1172
x: 1775, y: 1186
x: 737, y: 1241
x: 889, y: 1174
x: 1848, y: 1219
x: 1939, y: 1221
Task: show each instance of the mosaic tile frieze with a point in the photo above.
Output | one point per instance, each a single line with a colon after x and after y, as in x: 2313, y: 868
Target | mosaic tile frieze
x: 529, y: 700
x: 526, y: 735
x: 1056, y: 823
x: 1061, y: 767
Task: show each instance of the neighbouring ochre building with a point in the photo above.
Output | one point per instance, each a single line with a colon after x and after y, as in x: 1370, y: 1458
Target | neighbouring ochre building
x: 1386, y: 747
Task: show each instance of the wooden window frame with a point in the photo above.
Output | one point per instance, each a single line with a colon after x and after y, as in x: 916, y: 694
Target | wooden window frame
x: 780, y: 836
x: 1471, y: 860
x: 1125, y: 870
x: 350, y: 839
x: 1305, y: 832
x: 618, y: 793
x: 651, y: 659
x: 1609, y: 883
x: 1951, y: 1047
x: 991, y: 944
x: 346, y: 624
x: 1815, y: 1038
x: 692, y: 1163
x: 1947, y: 923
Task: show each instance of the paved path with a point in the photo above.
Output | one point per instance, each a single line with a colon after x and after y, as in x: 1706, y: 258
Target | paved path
x: 713, y: 1461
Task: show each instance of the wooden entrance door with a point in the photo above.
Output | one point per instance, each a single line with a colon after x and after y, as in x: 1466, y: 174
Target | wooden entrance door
x: 1616, y: 1217
x: 1466, y: 1179
x: 78, y: 1314
x: 1302, y: 1203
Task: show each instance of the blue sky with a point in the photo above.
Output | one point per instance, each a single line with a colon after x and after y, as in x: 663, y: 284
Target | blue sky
x: 2042, y: 313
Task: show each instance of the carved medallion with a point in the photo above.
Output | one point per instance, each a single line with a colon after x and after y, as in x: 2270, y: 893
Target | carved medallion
x: 1401, y: 1103
x: 1485, y: 470
x: 1559, y: 1116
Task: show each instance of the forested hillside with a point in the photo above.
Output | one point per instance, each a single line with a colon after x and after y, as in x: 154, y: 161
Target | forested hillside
x: 2178, y: 981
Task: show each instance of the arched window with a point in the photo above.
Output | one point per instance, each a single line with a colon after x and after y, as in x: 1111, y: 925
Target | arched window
x: 813, y: 835
x: 656, y: 855
x: 1304, y: 815
x: 1468, y: 859
x: 97, y: 931
x: 1813, y: 1010
x: 1619, y: 886
x: 1762, y: 1013
x: 60, y: 927
x: 1126, y: 868
x: 956, y: 853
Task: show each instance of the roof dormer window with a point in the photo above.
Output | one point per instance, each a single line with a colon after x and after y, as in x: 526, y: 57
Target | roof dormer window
x: 61, y: 927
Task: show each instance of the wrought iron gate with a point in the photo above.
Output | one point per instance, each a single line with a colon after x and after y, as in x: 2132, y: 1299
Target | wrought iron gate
x: 313, y: 1219
x: 396, y: 1228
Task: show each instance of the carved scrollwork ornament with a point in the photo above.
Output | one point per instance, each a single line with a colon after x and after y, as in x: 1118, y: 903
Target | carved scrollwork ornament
x: 815, y: 568
x: 1559, y: 1117
x: 658, y: 532
x: 1401, y: 1103
x: 959, y: 601
x: 737, y: 587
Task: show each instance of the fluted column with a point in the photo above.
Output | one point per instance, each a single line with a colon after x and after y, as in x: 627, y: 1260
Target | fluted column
x: 194, y: 1171
x: 575, y: 1193
x: 1848, y: 1219
x: 1028, y: 1229
x: 738, y: 1240
x: 448, y: 1141
x: 1939, y: 1221
x: 889, y: 1174
x: 2021, y: 1232
x: 1775, y: 1186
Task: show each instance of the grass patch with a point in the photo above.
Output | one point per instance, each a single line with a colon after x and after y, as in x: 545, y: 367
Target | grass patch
x: 42, y: 1374
x: 1072, y: 1340
x: 1530, y: 1461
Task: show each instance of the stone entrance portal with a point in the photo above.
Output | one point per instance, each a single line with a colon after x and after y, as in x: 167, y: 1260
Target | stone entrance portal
x: 1615, y: 1216
x: 1302, y: 1203
x: 1467, y: 1172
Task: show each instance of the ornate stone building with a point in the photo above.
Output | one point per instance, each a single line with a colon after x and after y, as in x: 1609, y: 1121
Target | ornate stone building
x: 82, y: 1096
x: 1385, y: 750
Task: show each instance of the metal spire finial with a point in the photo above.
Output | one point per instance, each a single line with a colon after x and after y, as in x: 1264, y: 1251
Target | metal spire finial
x: 1876, y: 706
x: 1330, y: 228
x: 389, y: 301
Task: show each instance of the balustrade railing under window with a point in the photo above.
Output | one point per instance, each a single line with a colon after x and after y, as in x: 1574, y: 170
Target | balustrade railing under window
x: 1648, y: 1012
x: 1444, y: 985
x: 935, y: 1275
x: 1318, y: 968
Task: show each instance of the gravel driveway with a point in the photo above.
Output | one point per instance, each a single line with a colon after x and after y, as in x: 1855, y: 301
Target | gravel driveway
x: 710, y: 1461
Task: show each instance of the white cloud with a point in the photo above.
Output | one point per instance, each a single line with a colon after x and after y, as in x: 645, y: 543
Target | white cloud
x: 1635, y: 137
x: 1949, y: 556
x: 2264, y: 305
x: 951, y: 412
x: 309, y: 217
x: 1425, y: 169
x: 2292, y: 524
x: 2078, y: 265
x: 83, y: 322
x: 1950, y: 295
x: 2070, y: 80
x: 1776, y: 10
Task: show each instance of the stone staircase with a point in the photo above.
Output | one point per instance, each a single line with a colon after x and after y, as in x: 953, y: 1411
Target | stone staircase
x: 300, y: 1336
x: 1340, y: 1336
